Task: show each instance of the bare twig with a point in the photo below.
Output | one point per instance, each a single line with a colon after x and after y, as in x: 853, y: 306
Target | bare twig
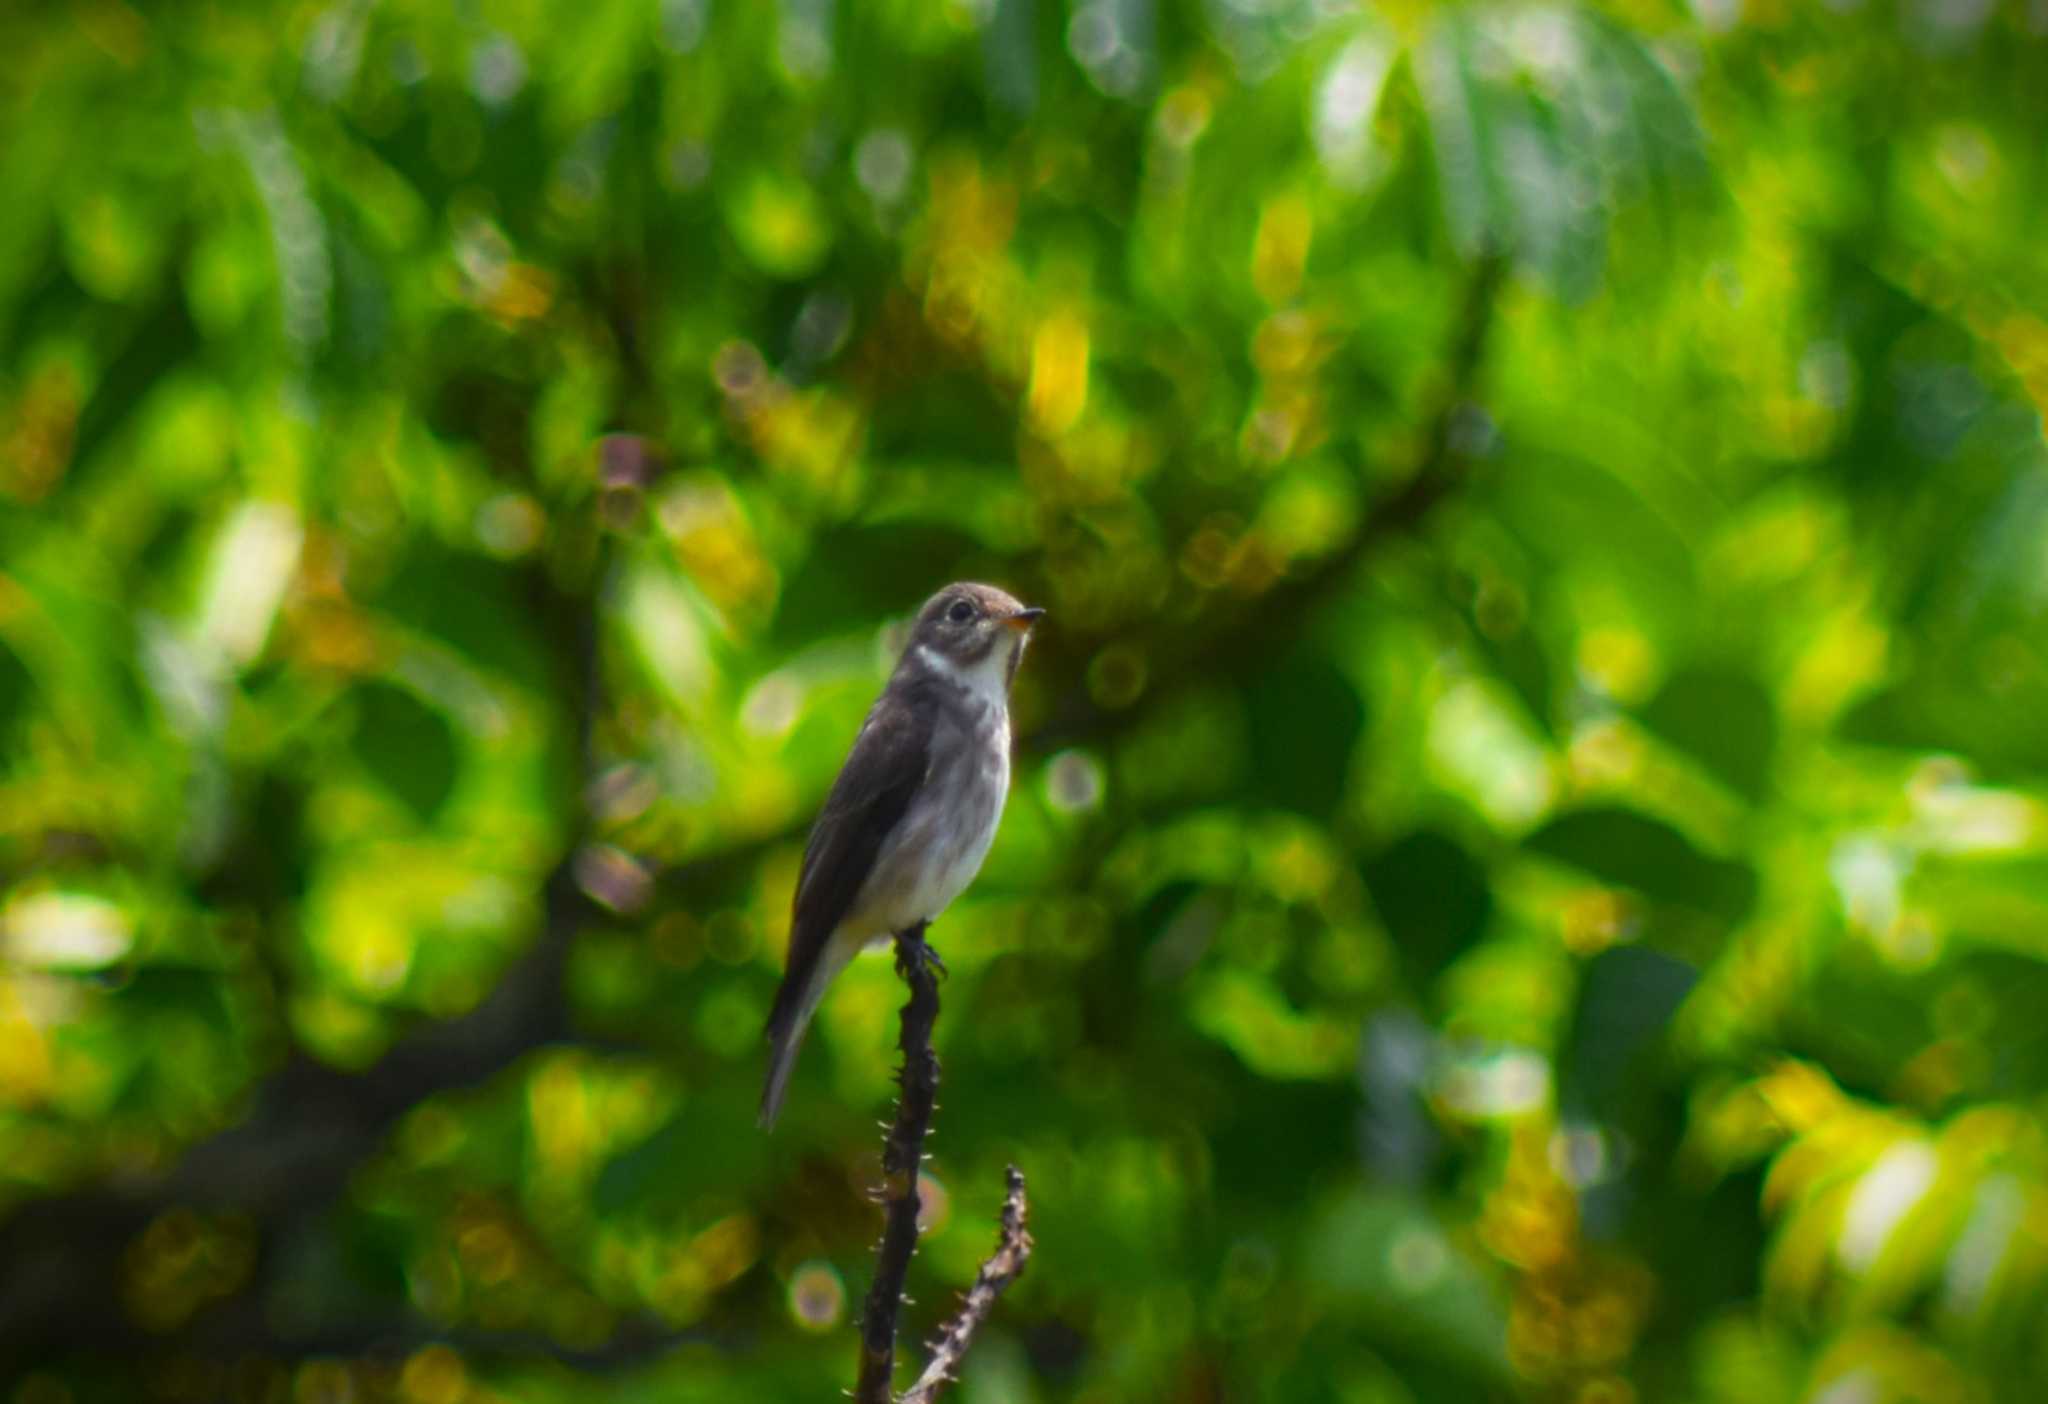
x: 902, y: 1155
x: 1004, y: 1266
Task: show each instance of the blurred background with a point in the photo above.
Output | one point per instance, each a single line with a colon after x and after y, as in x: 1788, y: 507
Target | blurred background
x: 1527, y: 876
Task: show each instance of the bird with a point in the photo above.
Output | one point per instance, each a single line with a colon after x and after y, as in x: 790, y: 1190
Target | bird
x: 906, y: 825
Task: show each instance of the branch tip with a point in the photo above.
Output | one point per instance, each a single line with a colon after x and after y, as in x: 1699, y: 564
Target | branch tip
x: 903, y: 1154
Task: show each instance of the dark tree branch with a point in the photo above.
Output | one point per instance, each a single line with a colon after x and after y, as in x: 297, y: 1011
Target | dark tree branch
x: 1004, y: 1266
x: 902, y: 1156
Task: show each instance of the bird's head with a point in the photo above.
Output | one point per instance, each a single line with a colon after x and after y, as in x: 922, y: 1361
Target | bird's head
x: 974, y: 632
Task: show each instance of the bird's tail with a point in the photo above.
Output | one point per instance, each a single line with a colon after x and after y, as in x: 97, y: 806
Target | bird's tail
x: 790, y: 1020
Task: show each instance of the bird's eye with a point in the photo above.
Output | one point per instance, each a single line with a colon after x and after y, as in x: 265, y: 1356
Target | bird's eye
x: 961, y: 612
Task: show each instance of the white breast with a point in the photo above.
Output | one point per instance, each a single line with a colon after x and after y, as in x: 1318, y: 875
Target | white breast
x: 987, y: 682
x: 939, y: 845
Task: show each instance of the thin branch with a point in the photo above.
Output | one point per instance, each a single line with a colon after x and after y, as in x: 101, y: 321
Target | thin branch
x: 1004, y: 1266
x: 902, y: 1155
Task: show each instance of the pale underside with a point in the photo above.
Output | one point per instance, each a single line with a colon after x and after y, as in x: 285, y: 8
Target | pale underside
x: 936, y: 849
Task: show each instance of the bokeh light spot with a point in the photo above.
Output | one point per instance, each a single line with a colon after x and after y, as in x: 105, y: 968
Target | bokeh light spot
x: 1417, y: 1260
x: 1116, y: 677
x: 435, y: 1375
x: 817, y: 1297
x: 882, y: 164
x: 934, y: 1204
x: 1074, y: 782
x: 1882, y: 1198
x: 64, y: 931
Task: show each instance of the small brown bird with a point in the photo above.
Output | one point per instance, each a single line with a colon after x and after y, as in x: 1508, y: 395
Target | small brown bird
x: 914, y: 809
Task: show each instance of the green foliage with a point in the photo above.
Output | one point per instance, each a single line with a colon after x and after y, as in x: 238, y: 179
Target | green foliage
x: 1527, y: 875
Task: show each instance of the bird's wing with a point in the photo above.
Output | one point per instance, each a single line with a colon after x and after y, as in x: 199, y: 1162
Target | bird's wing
x: 882, y: 774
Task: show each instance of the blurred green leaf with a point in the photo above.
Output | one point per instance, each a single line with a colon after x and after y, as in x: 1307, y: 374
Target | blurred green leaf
x: 777, y: 223
x: 1433, y: 897
x: 1540, y: 508
x: 1391, y: 1265
x: 17, y: 690
x: 1723, y: 719
x: 1631, y: 850
x: 408, y: 746
x: 1304, y: 719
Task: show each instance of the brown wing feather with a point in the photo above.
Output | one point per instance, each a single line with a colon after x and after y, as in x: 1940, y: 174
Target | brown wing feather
x: 881, y: 776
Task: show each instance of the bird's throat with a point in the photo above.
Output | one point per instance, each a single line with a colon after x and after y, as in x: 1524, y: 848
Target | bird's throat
x: 986, y: 679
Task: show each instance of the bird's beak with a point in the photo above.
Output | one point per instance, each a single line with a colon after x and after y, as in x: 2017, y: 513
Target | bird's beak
x: 1023, y: 619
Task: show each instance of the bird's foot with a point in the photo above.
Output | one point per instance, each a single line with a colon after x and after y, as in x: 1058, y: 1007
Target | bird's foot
x: 912, y: 951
